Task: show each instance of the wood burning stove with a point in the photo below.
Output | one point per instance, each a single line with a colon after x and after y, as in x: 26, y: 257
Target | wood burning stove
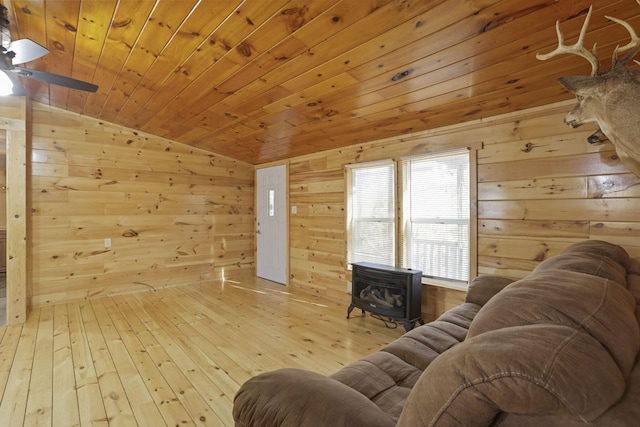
x: 387, y: 291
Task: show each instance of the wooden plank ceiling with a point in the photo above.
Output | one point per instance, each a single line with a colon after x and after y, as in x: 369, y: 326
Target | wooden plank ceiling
x: 264, y: 80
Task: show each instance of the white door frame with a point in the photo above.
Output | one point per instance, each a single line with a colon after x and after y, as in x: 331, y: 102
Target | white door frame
x: 272, y: 223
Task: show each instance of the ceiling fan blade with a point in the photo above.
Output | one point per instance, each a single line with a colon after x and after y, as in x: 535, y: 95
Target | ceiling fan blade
x: 18, y: 88
x: 26, y: 51
x: 55, y: 79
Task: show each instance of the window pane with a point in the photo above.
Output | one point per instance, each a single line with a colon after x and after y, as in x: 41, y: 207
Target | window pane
x: 436, y: 216
x: 271, y: 209
x: 372, y: 214
x: 373, y: 242
x: 372, y: 192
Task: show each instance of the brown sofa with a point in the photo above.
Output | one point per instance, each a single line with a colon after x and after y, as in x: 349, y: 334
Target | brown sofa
x: 556, y: 348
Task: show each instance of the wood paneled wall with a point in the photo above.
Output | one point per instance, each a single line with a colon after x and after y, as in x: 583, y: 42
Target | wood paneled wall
x: 13, y: 119
x: 541, y: 187
x: 177, y: 215
x: 174, y: 214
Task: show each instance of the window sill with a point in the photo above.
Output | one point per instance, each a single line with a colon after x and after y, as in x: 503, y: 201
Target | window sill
x: 445, y: 284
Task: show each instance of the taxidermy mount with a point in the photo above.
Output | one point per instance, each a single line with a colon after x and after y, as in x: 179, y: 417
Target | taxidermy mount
x: 611, y: 98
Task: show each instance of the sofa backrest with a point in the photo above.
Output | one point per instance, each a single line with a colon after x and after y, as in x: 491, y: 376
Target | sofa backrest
x: 560, y: 341
x: 633, y: 284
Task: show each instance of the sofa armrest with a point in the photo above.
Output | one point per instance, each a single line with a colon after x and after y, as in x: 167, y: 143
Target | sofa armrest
x: 482, y: 288
x: 295, y: 397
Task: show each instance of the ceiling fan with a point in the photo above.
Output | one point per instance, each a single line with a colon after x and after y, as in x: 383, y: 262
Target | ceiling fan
x: 23, y: 51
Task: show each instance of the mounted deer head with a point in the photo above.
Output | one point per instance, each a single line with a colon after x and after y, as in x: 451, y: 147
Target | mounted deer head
x: 611, y: 99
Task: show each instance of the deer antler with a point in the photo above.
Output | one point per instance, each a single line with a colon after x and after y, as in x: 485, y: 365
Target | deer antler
x: 577, y: 48
x: 634, y: 37
x: 633, y: 44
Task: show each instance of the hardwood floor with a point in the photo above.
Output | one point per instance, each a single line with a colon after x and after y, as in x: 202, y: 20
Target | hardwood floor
x: 172, y: 357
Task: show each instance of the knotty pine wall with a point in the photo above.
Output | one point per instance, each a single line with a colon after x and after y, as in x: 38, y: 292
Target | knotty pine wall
x: 175, y: 215
x: 541, y: 187
x: 3, y: 179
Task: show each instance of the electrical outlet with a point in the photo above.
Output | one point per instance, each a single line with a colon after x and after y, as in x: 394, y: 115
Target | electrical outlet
x: 107, y: 243
x: 349, y: 286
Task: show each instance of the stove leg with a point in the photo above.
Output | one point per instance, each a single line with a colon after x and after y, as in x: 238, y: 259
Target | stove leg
x: 350, y: 309
x: 408, y: 325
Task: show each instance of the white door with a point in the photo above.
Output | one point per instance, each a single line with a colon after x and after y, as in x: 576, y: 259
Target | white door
x: 271, y: 229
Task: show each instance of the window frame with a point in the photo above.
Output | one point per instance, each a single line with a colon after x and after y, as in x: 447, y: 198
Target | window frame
x: 403, y: 237
x: 350, y: 169
x: 399, y: 203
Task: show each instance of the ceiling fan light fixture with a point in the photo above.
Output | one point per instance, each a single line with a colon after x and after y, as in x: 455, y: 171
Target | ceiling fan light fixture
x: 6, y: 85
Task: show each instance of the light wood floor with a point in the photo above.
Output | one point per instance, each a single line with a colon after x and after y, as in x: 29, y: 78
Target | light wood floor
x: 172, y: 357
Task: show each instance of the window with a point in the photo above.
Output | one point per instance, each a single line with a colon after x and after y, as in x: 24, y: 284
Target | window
x: 431, y: 230
x: 371, y: 220
x: 435, y: 215
x: 271, y: 201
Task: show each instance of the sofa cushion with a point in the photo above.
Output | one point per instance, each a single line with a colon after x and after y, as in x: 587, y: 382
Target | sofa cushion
x: 587, y: 263
x: 626, y: 412
x: 383, y: 378
x: 596, y: 247
x: 523, y: 370
x: 423, y: 344
x: 387, y: 376
x: 602, y: 308
x: 560, y: 341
